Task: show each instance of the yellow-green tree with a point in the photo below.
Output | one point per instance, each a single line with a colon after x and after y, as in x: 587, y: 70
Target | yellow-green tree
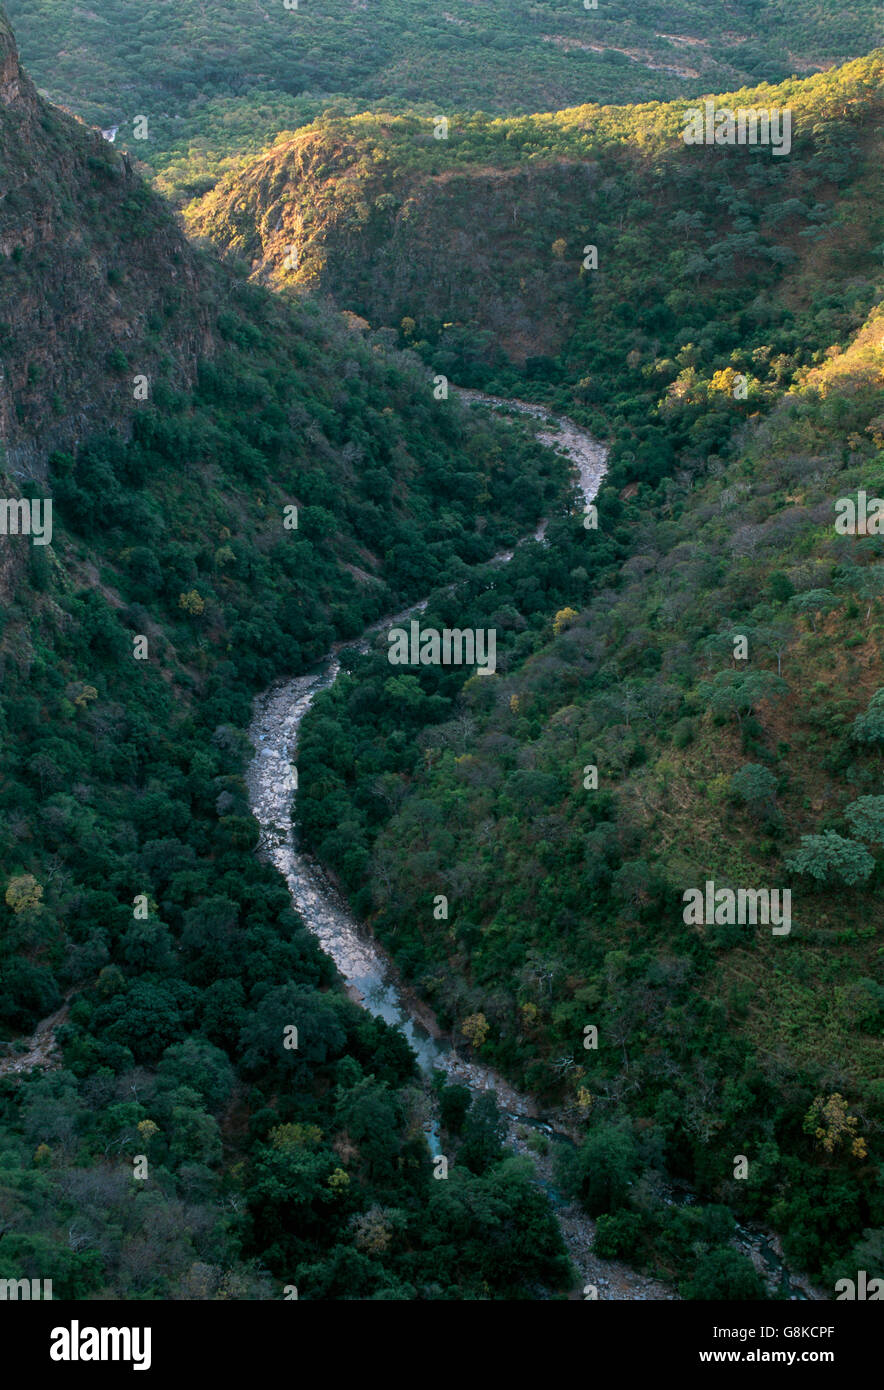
x: 475, y: 1029
x: 564, y: 618
x: 831, y: 1125
x: 24, y: 894
x: 192, y: 603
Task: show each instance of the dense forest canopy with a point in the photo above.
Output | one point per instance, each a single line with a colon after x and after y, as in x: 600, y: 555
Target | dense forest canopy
x: 219, y: 81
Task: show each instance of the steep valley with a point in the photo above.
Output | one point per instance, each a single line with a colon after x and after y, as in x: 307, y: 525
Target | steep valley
x: 352, y: 379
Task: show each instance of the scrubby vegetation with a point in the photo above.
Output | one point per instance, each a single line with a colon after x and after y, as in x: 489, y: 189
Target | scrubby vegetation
x: 716, y: 273
x: 219, y: 82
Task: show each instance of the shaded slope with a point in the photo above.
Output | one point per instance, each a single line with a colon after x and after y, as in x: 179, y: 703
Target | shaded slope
x: 96, y: 281
x: 175, y: 1148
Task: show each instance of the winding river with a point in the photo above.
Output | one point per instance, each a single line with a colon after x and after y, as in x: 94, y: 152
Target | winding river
x: 369, y: 975
x: 272, y: 782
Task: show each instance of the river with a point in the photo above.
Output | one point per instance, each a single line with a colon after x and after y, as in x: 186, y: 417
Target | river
x: 369, y: 975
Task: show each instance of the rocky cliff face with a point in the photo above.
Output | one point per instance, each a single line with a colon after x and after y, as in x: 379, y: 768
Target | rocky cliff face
x: 97, y: 283
x: 14, y: 87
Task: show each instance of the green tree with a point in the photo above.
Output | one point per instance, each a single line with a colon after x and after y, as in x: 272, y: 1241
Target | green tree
x: 738, y: 692
x: 723, y: 1274
x: 755, y: 787
x: 199, y: 1064
x: 493, y: 1232
x: 602, y: 1171
x: 371, y: 1114
x: 830, y: 858
x: 483, y: 1133
x: 814, y: 602
x: 868, y: 727
x: 454, y: 1102
x: 866, y: 818
x: 320, y: 1034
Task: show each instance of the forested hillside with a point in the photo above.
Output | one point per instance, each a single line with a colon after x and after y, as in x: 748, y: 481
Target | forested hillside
x: 713, y: 649
x: 219, y: 81
x: 692, y: 692
x: 248, y: 460
x: 709, y: 262
x: 235, y: 482
x: 98, y: 283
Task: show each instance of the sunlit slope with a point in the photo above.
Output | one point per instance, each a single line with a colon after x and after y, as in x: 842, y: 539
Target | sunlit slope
x: 221, y: 80
x: 590, y: 251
